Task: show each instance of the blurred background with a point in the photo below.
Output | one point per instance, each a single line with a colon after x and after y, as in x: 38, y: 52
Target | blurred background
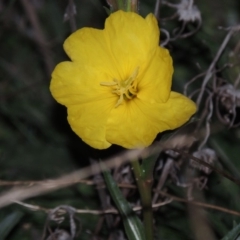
x: 36, y: 142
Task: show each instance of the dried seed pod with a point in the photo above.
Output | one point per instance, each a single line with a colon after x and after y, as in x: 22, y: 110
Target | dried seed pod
x: 227, y: 102
x: 208, y: 155
x: 188, y: 12
x: 59, y: 234
x: 58, y: 215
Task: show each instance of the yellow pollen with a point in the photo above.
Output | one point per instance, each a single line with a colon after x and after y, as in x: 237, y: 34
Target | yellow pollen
x: 126, y: 89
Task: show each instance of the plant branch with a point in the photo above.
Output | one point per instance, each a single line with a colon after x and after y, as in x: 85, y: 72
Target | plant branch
x: 145, y: 189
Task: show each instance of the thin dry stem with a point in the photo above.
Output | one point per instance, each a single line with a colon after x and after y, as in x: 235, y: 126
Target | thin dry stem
x: 166, y: 41
x: 32, y: 182
x: 157, y: 8
x: 215, y: 60
x: 209, y: 104
x: 21, y: 193
x: 166, y: 169
x: 170, y: 199
x: 70, y: 12
x: 39, y: 35
x: 87, y: 211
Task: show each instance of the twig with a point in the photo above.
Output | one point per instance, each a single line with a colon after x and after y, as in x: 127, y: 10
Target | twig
x: 69, y: 15
x: 137, y: 208
x: 88, y: 211
x: 221, y: 172
x: 21, y: 193
x: 237, y: 81
x: 167, y: 168
x: 209, y: 104
x: 157, y: 8
x: 201, y: 75
x: 191, y: 81
x: 103, y: 196
x: 166, y: 41
x: 178, y: 141
x: 201, y: 204
x: 215, y: 60
x: 31, y: 182
x: 39, y: 35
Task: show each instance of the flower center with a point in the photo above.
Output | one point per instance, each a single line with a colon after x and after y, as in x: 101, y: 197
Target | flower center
x: 126, y: 89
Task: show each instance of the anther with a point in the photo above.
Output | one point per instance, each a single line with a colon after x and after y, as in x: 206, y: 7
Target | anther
x: 125, y: 89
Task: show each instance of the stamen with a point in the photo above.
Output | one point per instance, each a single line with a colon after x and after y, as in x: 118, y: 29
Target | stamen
x: 124, y: 89
x: 109, y: 83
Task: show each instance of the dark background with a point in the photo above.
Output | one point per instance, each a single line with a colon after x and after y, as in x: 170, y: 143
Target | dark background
x: 36, y: 142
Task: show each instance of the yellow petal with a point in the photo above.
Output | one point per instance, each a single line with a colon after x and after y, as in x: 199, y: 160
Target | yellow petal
x: 89, y: 104
x: 155, y: 83
x: 131, y: 40
x: 88, y: 46
x: 73, y: 83
x: 137, y: 123
x: 89, y: 120
x: 174, y: 113
x: 128, y: 126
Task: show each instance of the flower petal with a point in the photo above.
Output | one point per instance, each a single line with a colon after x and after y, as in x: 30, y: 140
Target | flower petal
x: 132, y: 40
x: 89, y: 47
x: 89, y: 121
x: 138, y: 122
x: 155, y: 83
x: 89, y: 104
x: 73, y: 83
x: 128, y: 126
x: 173, y: 113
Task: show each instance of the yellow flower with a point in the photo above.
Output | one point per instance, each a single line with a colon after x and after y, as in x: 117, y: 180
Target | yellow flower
x: 117, y: 86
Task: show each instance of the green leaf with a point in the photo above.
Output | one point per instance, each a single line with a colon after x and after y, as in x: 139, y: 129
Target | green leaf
x: 233, y: 234
x: 132, y: 224
x: 8, y: 223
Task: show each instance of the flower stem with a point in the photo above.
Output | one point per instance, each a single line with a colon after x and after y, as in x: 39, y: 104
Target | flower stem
x: 132, y: 6
x: 145, y: 186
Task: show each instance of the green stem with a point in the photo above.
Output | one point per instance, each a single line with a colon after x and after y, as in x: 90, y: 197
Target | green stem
x: 132, y: 6
x: 145, y: 186
x: 120, y: 4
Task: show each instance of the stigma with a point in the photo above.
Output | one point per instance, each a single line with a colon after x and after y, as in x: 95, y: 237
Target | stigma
x: 125, y: 89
